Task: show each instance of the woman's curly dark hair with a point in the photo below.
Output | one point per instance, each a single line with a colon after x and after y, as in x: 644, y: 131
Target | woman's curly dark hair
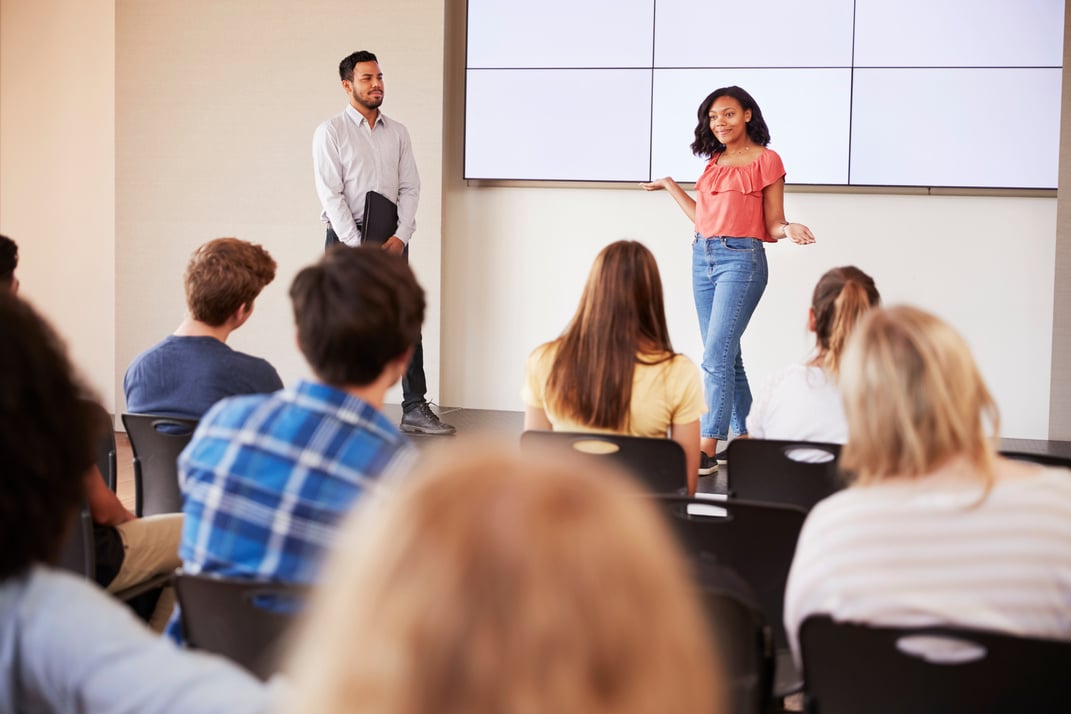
x: 705, y: 144
x: 46, y: 442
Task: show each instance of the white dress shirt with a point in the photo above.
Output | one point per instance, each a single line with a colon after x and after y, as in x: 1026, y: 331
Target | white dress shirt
x: 351, y: 158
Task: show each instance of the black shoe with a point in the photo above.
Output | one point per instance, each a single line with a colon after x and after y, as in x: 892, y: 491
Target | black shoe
x: 707, y: 464
x: 422, y: 420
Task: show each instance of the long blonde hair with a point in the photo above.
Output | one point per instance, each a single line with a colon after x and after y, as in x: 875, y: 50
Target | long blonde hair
x: 496, y: 584
x: 914, y: 398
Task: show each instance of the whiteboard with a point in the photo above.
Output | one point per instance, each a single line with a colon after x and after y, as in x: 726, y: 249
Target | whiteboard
x: 855, y: 92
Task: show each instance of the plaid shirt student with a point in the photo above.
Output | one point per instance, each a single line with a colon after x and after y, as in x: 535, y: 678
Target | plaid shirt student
x: 267, y: 477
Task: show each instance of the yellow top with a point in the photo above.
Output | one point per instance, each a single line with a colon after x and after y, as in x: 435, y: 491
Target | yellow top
x: 670, y: 392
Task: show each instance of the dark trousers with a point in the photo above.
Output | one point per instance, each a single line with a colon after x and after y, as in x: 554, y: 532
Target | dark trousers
x: 414, y: 383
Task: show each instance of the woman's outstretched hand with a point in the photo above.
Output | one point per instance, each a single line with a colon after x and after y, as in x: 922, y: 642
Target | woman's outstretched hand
x: 799, y: 234
x: 660, y: 184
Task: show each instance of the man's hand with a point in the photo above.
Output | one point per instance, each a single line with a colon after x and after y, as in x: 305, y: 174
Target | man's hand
x: 394, y: 245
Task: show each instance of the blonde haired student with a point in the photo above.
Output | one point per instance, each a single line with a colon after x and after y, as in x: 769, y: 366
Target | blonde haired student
x: 936, y: 528
x: 491, y: 583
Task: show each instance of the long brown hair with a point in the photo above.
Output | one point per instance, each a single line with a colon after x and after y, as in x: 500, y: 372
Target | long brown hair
x: 621, y: 314
x: 841, y: 297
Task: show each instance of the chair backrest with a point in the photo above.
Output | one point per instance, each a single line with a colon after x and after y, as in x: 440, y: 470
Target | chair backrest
x: 798, y: 473
x: 741, y: 636
x: 104, y: 439
x: 78, y: 553
x: 857, y: 668
x: 1044, y: 459
x: 156, y: 442
x: 243, y: 620
x: 756, y: 540
x: 658, y: 463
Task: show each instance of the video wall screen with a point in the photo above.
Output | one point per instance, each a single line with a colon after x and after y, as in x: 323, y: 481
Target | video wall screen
x: 944, y: 93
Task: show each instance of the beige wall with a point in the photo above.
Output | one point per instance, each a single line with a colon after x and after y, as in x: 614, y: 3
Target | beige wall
x: 198, y: 125
x: 215, y: 108
x: 57, y: 168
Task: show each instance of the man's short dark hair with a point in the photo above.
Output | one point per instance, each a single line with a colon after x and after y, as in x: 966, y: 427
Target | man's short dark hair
x: 224, y: 274
x: 46, y: 442
x: 356, y: 310
x: 9, y: 260
x: 345, y: 67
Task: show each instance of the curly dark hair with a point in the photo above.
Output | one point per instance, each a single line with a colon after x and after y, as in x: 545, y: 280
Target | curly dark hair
x: 705, y: 144
x: 9, y: 260
x: 345, y: 67
x: 356, y: 310
x: 46, y: 443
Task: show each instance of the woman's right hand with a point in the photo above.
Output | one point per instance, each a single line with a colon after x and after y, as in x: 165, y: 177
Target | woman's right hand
x: 662, y: 183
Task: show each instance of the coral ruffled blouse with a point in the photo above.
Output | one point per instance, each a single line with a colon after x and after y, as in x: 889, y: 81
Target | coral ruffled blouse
x: 729, y: 198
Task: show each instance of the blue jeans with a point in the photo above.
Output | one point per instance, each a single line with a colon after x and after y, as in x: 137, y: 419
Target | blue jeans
x: 728, y: 277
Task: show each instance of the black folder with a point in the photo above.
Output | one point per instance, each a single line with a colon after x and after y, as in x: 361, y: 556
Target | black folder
x: 380, y: 218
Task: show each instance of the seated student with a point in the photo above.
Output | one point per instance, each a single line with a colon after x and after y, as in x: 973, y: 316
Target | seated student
x: 131, y: 550
x: 9, y: 260
x: 65, y: 646
x: 492, y: 581
x: 802, y: 401
x: 936, y: 528
x: 266, y: 477
x: 193, y: 368
x: 613, y: 369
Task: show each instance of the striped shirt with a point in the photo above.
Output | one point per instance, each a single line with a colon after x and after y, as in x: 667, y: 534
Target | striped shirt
x: 266, y: 479
x: 905, y: 554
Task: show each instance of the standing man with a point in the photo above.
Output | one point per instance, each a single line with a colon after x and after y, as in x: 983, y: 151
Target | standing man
x: 358, y: 151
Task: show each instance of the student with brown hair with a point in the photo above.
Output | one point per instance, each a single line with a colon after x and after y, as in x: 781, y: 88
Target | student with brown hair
x: 491, y: 582
x: 65, y: 646
x: 193, y: 368
x: 614, y: 369
x: 267, y: 477
x: 802, y: 401
x: 936, y: 528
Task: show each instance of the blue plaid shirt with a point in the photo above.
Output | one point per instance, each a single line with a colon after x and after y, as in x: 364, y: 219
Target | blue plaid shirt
x: 267, y: 477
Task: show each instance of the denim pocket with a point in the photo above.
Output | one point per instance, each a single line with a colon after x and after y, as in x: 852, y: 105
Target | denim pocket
x: 742, y: 245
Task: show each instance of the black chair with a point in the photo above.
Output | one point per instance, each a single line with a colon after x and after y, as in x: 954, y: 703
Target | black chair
x: 157, y: 442
x: 756, y: 541
x: 741, y: 635
x: 1043, y: 459
x: 854, y: 668
x: 79, y: 555
x: 104, y: 438
x: 243, y: 620
x: 658, y: 463
x: 771, y: 471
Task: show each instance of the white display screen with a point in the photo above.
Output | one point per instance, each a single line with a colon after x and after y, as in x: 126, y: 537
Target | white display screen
x: 955, y: 93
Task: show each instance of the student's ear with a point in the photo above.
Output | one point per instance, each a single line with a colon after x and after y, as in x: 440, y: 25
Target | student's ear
x: 243, y: 313
x: 810, y: 319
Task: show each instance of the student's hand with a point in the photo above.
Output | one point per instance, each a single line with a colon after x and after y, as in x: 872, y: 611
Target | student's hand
x: 394, y: 245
